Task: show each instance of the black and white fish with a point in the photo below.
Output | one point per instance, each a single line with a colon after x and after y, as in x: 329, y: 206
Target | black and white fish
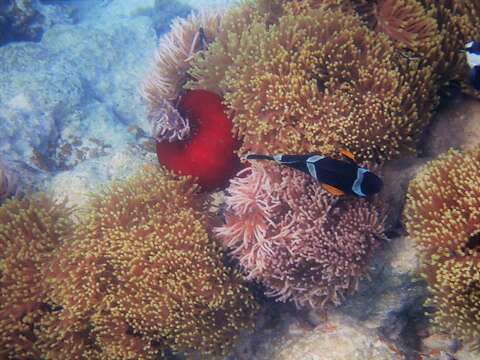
x: 472, y: 49
x: 338, y: 177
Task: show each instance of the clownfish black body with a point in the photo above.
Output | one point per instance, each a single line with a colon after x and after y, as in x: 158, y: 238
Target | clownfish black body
x: 472, y: 49
x: 338, y: 177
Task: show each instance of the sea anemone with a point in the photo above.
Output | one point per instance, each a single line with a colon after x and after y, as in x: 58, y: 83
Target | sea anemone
x: 431, y: 32
x: 164, y: 83
x: 458, y: 23
x: 441, y: 215
x: 410, y: 25
x: 30, y: 230
x: 455, y: 294
x: 192, y: 129
x: 441, y: 211
x: 318, y: 78
x: 208, y: 153
x: 208, y: 68
x: 296, y: 239
x: 142, y: 277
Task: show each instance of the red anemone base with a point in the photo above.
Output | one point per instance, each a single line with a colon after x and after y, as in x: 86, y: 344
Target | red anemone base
x: 208, y: 152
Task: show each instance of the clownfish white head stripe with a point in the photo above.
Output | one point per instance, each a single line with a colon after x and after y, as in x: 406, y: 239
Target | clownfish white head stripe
x: 472, y: 51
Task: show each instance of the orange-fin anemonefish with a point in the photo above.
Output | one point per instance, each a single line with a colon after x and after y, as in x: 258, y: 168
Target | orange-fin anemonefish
x: 338, y: 177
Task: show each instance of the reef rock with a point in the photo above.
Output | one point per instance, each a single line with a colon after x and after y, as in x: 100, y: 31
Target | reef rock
x: 74, y: 95
x: 161, y: 12
x: 37, y: 95
x: 396, y: 175
x: 338, y: 339
x: 76, y: 184
x: 457, y: 125
x: 129, y: 8
x: 8, y: 182
x: 391, y: 303
x: 20, y: 21
x: 439, y: 346
x: 26, y: 20
x: 383, y: 320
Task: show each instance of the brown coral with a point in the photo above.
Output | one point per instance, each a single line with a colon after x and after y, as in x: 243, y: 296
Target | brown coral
x: 442, y: 217
x: 297, y: 240
x: 30, y: 230
x: 142, y: 276
x: 318, y: 78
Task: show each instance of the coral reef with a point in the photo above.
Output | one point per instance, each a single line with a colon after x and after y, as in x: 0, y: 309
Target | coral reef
x: 441, y: 215
x: 297, y: 240
x: 19, y: 21
x: 141, y: 276
x: 30, y: 230
x: 318, y: 78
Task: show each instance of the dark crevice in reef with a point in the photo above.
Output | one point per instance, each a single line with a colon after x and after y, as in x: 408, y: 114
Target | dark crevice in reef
x: 473, y: 242
x: 19, y: 21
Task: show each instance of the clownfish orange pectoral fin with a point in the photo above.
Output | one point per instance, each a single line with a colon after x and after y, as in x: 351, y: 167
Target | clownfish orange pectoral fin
x: 347, y: 154
x: 332, y: 190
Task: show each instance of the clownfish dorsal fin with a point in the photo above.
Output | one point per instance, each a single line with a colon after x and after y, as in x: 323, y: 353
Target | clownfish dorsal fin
x: 332, y: 190
x: 347, y: 154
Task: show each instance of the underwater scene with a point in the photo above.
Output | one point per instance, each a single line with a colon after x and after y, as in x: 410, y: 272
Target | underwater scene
x: 240, y: 179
